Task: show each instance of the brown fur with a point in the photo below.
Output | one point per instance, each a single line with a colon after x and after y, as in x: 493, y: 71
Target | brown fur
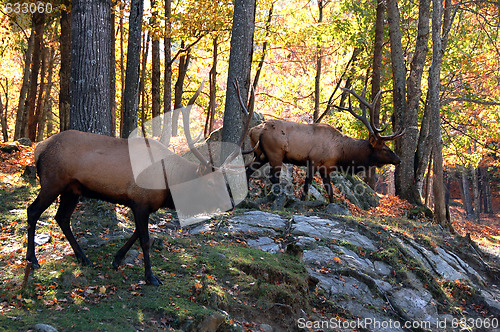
x: 321, y: 147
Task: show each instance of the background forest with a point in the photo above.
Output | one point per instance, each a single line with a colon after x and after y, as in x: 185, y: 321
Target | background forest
x: 437, y: 65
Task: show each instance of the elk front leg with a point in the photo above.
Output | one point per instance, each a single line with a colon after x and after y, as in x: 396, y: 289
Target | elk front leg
x: 141, y: 225
x: 311, y: 170
x: 34, y: 211
x: 67, y: 205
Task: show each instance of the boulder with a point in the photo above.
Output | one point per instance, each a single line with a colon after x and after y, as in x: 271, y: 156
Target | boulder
x: 356, y: 191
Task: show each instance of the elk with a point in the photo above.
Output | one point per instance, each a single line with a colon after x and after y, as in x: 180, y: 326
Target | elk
x: 71, y: 164
x: 321, y: 147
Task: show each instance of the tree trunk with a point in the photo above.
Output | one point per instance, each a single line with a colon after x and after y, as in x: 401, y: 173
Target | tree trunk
x: 39, y: 21
x: 40, y: 105
x: 435, y: 106
x: 20, y: 119
x: 142, y: 92
x: 45, y: 95
x: 317, y: 78
x: 65, y: 69
x: 179, y: 90
x: 240, y: 61
x: 167, y: 79
x: 122, y: 66
x: 209, y: 124
x: 112, y: 61
x: 485, y: 182
x: 465, y: 191
x: 475, y: 191
x: 3, y: 116
x: 131, y: 93
x: 155, y: 78
x: 90, y: 66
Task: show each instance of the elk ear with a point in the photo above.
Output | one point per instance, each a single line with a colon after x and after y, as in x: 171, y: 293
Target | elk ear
x: 373, y: 140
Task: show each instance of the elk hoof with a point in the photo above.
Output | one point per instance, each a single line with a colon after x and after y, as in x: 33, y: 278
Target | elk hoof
x: 153, y: 280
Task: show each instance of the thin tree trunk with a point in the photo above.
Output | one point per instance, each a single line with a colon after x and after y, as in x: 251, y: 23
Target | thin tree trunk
x: 209, y: 124
x: 428, y: 183
x: 65, y: 69
x: 485, y: 181
x: 112, y: 60
x: 3, y: 111
x: 155, y: 76
x: 122, y: 66
x: 465, y: 191
x: 317, y: 78
x: 475, y: 191
x: 39, y: 108
x: 20, y: 119
x: 167, y: 79
x: 44, y: 102
x: 178, y: 90
x: 131, y: 93
x: 145, y: 51
x: 39, y: 21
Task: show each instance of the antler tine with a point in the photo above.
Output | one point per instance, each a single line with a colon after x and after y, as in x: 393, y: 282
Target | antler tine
x: 186, y: 113
x: 394, y: 136
x: 376, y: 129
x: 363, y: 117
x: 249, y: 115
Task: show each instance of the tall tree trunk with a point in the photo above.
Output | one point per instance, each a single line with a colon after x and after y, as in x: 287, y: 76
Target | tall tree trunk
x: 209, y: 124
x: 45, y: 93
x: 465, y: 191
x: 155, y: 76
x: 112, y: 61
x: 90, y: 66
x: 179, y: 88
x: 485, y: 182
x: 4, y: 110
x: 40, y: 105
x: 167, y: 79
x: 39, y: 21
x: 20, y: 119
x: 240, y: 61
x: 435, y: 106
x: 122, y: 66
x: 142, y: 90
x: 131, y: 93
x: 317, y: 78
x: 475, y: 192
x: 65, y: 69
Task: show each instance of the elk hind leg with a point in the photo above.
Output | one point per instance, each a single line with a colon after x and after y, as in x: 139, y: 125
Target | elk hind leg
x: 123, y: 250
x: 311, y: 170
x: 67, y: 205
x: 327, y: 183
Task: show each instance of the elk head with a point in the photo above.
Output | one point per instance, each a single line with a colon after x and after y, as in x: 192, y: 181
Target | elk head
x: 382, y: 154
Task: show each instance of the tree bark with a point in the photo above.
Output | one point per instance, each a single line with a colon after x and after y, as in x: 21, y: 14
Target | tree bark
x: 131, y: 93
x: 465, y: 191
x: 209, y: 124
x: 4, y: 110
x: 317, y: 78
x: 112, y: 61
x: 167, y: 78
x: 122, y: 66
x: 65, y: 69
x: 39, y: 21
x: 45, y: 95
x: 142, y: 92
x: 179, y: 88
x: 155, y: 78
x: 240, y: 60
x: 475, y: 192
x: 20, y: 118
x: 90, y: 66
x: 485, y: 182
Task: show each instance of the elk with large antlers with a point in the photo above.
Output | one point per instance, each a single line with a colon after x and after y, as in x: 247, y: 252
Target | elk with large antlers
x: 73, y: 164
x: 321, y: 147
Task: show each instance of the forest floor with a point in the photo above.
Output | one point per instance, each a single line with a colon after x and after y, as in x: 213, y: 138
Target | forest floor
x: 98, y: 298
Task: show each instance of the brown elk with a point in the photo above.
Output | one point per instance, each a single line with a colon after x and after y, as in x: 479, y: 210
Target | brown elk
x: 321, y: 147
x: 73, y: 164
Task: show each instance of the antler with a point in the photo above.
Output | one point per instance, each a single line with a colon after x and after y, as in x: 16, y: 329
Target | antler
x: 186, y: 112
x: 249, y: 115
x: 370, y: 125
